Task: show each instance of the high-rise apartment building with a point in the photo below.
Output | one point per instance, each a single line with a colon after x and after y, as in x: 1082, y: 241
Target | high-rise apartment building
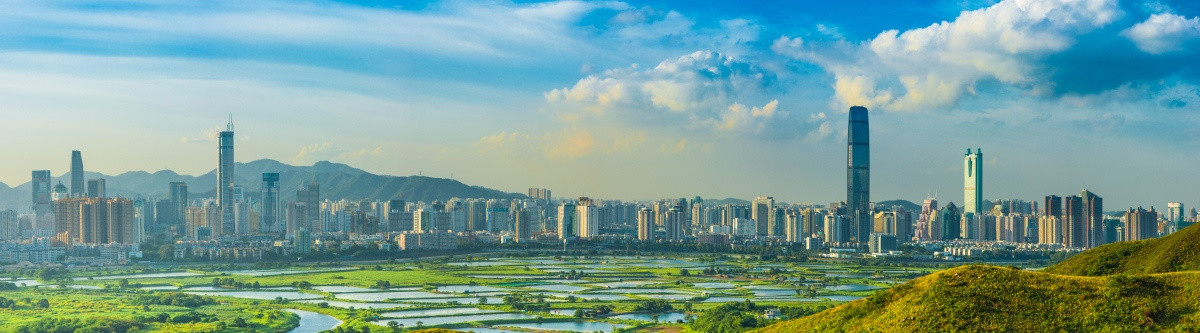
x: 1093, y: 216
x: 225, y: 179
x: 858, y: 175
x: 539, y: 193
x: 973, y: 182
x: 645, y: 224
x: 762, y: 211
x: 1141, y: 224
x: 587, y: 215
x: 1075, y: 226
x: 95, y: 221
x: 673, y: 224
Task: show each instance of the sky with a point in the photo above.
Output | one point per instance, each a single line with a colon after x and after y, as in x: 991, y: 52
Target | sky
x: 621, y: 99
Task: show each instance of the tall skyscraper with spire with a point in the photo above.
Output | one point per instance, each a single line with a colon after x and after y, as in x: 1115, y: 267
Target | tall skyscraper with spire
x: 77, y: 189
x: 973, y: 182
x: 225, y: 178
x: 858, y: 175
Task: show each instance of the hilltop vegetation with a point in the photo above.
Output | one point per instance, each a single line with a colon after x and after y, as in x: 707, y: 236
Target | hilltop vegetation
x: 986, y: 298
x: 1176, y: 252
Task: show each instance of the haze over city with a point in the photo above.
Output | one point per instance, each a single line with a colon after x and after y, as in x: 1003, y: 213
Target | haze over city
x: 626, y: 100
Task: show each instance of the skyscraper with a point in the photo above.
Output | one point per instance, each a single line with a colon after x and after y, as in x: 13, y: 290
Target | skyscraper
x: 1075, y: 226
x: 566, y: 220
x: 225, y: 179
x: 973, y: 182
x: 858, y: 175
x: 41, y: 192
x: 929, y: 212
x: 951, y: 222
x: 268, y: 218
x: 76, y: 174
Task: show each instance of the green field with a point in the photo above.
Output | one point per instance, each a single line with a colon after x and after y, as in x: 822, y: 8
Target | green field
x: 684, y: 287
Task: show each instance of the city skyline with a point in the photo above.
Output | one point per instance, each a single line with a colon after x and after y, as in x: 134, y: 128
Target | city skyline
x: 789, y: 101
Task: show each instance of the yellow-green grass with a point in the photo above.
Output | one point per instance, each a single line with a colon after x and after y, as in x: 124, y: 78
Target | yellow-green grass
x: 1176, y: 252
x: 994, y: 299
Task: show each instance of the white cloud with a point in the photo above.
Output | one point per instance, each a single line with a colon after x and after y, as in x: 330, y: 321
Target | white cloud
x: 935, y: 66
x: 704, y: 90
x: 1164, y: 33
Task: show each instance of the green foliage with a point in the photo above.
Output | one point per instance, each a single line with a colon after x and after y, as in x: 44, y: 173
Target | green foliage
x: 68, y: 325
x: 654, y: 305
x: 52, y: 274
x: 729, y: 317
x: 175, y: 299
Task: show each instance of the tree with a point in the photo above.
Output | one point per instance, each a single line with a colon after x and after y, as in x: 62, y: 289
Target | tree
x: 239, y: 322
x: 43, y: 303
x: 482, y: 300
x: 166, y: 251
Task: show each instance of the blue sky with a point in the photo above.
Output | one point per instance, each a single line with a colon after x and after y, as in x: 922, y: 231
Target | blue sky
x: 621, y: 99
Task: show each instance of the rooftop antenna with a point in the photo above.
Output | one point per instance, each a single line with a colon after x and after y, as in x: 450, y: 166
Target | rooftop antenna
x: 230, y: 126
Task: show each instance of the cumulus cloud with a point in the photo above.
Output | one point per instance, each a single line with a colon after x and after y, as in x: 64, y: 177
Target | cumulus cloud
x: 935, y: 66
x: 704, y: 90
x: 1163, y: 33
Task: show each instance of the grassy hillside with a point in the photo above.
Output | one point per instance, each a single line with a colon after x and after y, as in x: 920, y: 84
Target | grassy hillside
x: 986, y: 298
x: 1177, y: 252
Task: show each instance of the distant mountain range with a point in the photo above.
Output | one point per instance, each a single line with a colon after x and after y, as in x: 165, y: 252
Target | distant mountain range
x: 337, y: 181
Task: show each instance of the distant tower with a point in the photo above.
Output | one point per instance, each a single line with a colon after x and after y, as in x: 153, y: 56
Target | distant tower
x: 268, y: 220
x: 42, y: 203
x: 96, y: 188
x: 225, y: 179
x: 858, y: 175
x: 973, y: 182
x: 77, y: 188
x: 178, y: 192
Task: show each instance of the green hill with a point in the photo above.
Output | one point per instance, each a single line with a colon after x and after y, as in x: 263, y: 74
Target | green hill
x: 1177, y: 252
x: 991, y: 299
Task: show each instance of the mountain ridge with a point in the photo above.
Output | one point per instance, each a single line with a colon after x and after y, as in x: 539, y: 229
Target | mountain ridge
x: 336, y: 180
